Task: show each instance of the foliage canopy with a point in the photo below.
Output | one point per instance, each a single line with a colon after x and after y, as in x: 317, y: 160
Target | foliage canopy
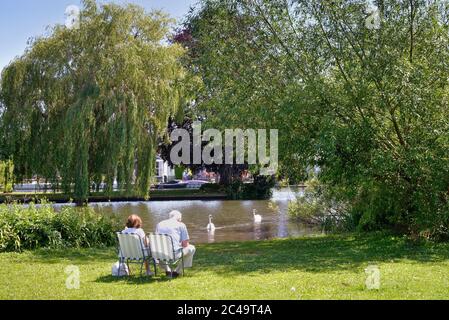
x: 368, y: 105
x: 87, y: 104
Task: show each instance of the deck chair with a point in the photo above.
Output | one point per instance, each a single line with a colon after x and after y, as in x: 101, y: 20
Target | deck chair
x: 132, y: 250
x: 163, y: 251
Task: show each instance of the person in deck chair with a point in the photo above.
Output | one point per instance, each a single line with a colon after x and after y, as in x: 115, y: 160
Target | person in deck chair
x: 181, y: 241
x: 134, y: 226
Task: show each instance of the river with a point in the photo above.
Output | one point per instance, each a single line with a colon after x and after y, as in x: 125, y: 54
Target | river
x: 233, y: 219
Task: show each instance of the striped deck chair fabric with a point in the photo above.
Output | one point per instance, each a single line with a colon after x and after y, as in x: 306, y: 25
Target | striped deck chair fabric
x: 132, y: 250
x: 162, y: 250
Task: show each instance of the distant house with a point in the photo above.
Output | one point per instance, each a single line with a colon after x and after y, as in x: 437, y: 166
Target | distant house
x: 163, y: 171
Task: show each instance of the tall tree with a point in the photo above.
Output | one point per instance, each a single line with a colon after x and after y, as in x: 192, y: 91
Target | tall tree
x: 362, y: 92
x: 228, y: 173
x: 87, y: 104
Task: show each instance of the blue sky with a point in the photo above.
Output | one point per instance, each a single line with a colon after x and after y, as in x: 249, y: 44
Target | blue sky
x: 22, y: 19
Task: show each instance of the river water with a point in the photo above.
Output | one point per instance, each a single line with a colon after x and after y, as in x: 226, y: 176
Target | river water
x: 233, y: 219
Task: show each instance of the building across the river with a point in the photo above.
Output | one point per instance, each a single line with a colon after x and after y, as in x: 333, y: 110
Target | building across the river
x: 163, y: 171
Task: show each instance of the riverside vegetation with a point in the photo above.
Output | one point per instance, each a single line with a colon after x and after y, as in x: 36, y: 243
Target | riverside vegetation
x: 40, y: 226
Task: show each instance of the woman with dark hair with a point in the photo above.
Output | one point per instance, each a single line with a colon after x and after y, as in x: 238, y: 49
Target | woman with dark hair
x: 134, y: 226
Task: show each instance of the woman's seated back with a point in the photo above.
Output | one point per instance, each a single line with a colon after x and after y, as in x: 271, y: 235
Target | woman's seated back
x: 134, y: 226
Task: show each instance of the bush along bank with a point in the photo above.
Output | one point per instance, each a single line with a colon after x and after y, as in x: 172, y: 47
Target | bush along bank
x: 41, y: 226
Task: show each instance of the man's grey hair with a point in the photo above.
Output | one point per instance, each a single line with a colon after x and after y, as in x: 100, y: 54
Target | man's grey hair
x: 175, y: 214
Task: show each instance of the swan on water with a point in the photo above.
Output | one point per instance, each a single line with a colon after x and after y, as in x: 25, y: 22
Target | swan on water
x: 210, y: 226
x: 257, y: 217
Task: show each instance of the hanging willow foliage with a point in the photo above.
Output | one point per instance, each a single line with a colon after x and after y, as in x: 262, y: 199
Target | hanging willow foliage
x: 88, y: 104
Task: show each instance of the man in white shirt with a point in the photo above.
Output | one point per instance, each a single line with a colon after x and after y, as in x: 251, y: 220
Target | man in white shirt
x: 181, y: 241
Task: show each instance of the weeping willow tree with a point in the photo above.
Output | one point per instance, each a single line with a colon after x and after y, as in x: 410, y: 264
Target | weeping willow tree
x: 86, y: 105
x: 6, y: 176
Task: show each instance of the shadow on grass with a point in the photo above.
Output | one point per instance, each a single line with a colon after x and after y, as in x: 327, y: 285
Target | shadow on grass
x: 319, y: 254
x: 134, y: 280
x: 76, y: 256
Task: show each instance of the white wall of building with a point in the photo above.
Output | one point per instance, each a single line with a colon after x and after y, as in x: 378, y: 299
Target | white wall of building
x: 163, y: 171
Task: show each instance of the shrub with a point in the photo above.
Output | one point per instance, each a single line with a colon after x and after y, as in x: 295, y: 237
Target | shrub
x: 318, y: 207
x: 40, y: 226
x: 212, y: 188
x: 261, y: 189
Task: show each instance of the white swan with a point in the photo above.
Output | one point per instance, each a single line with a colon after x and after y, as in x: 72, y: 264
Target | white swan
x: 257, y: 217
x: 210, y: 226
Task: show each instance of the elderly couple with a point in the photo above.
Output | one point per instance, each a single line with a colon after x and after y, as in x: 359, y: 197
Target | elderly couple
x: 172, y: 227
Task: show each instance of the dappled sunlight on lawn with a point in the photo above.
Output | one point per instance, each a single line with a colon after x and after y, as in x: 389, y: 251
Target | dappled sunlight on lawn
x: 324, y: 267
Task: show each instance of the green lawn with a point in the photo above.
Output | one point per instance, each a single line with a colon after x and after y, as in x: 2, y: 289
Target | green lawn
x: 328, y: 267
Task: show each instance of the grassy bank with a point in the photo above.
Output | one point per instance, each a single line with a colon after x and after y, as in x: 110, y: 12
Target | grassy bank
x: 155, y: 195
x: 331, y: 267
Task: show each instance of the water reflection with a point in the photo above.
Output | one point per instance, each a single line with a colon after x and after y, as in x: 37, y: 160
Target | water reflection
x: 211, y: 236
x: 258, y: 231
x: 234, y: 220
